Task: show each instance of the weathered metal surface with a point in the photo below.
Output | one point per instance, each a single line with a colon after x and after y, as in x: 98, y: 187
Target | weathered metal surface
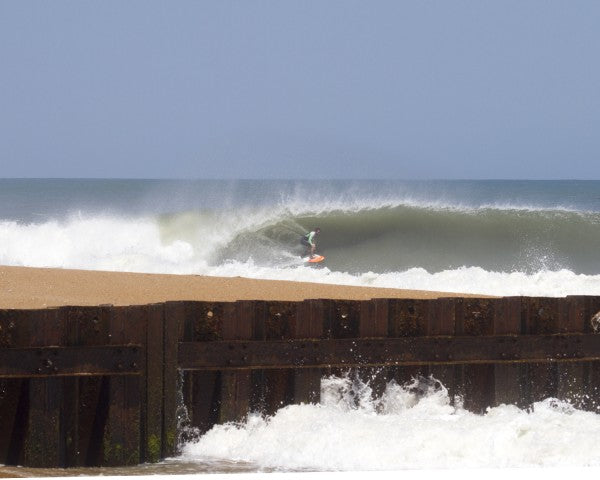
x: 475, y: 316
x: 407, y: 318
x: 508, y: 378
x: 201, y: 396
x: 236, y: 385
x: 280, y: 319
x: 70, y: 361
x: 200, y: 389
x: 122, y: 432
x: 388, y: 351
x: 85, y: 399
x: 374, y: 318
x: 14, y: 400
x: 44, y: 445
x: 508, y: 316
x: 152, y: 401
x: 271, y: 389
x: 14, y: 393
x: 100, y: 385
x: 342, y: 319
x: 175, y: 314
x: 442, y: 318
x: 309, y: 324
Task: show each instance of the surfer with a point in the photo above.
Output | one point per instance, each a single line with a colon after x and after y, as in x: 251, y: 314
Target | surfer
x: 308, y: 241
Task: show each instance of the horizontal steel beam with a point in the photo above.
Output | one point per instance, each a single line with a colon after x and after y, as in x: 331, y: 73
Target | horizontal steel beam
x: 221, y: 355
x: 70, y: 361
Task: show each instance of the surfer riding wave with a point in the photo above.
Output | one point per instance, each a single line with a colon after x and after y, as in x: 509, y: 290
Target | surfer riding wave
x: 308, y: 241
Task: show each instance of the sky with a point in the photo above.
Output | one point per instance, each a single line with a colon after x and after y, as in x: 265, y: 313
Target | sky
x: 412, y: 89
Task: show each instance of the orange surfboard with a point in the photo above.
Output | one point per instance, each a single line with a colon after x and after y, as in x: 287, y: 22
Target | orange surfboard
x: 316, y: 259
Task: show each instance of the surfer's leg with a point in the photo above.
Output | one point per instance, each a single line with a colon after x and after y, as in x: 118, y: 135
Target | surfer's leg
x: 305, y: 247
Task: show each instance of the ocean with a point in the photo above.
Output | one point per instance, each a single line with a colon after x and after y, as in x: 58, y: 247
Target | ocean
x: 537, y: 238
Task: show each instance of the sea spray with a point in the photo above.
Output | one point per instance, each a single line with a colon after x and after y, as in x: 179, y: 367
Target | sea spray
x: 409, y: 426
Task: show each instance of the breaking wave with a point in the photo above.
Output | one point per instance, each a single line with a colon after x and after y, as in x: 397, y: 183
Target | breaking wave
x: 501, y: 250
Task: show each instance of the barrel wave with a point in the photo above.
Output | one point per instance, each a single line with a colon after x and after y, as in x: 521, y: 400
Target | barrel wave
x: 402, y: 237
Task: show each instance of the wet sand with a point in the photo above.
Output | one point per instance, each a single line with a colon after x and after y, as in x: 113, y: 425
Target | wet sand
x: 23, y: 287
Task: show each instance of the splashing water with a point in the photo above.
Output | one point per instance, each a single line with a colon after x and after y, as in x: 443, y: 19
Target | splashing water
x: 409, y: 426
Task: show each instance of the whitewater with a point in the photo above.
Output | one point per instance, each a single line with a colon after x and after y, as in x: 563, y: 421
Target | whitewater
x: 482, y: 237
x: 407, y: 427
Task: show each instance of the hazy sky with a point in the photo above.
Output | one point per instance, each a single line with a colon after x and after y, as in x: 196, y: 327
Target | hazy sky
x: 302, y: 89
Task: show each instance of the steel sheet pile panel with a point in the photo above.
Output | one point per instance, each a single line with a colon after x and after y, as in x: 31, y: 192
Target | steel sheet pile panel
x: 541, y: 317
x: 311, y: 317
x: 174, y: 323
x: 152, y: 393
x: 441, y: 320
x: 86, y: 397
x: 280, y: 321
x: 9, y: 391
x: 341, y: 328
x: 204, y: 321
x: 238, y: 324
x: 43, y: 441
x: 375, y: 323
x: 288, y: 321
x: 563, y: 375
x: 374, y: 318
x: 342, y: 319
x: 273, y: 388
x: 407, y: 319
x: 475, y: 382
x: 122, y: 433
x: 573, y: 377
x: 202, y: 388
x: 509, y: 377
x: 14, y: 392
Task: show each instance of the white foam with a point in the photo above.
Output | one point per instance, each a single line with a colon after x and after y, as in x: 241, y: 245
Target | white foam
x: 473, y: 280
x: 403, y: 430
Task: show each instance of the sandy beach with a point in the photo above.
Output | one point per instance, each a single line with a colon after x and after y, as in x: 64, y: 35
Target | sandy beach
x: 22, y: 287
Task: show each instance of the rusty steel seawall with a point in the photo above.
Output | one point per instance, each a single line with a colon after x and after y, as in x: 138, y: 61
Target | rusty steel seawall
x: 87, y: 386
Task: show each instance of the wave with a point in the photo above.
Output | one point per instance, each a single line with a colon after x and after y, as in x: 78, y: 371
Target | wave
x: 400, y: 237
x: 421, y: 430
x: 482, y: 251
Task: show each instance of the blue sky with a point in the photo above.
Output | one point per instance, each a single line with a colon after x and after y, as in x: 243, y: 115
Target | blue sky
x: 304, y: 89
